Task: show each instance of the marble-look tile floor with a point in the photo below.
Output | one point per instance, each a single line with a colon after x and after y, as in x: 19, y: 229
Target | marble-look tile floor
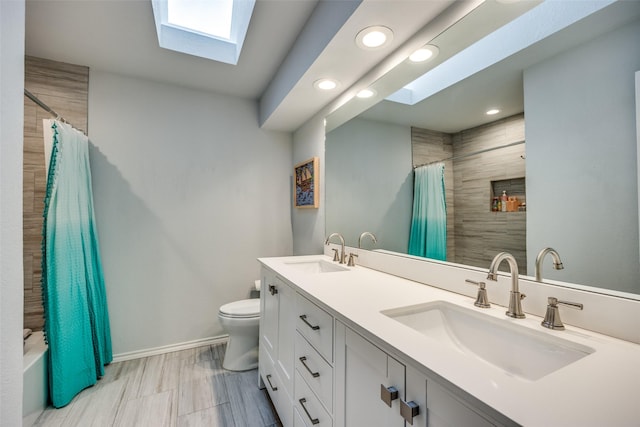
x: 184, y: 388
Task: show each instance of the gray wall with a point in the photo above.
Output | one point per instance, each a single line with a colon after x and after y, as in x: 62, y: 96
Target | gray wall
x: 308, y: 223
x: 369, y: 182
x: 188, y: 193
x: 11, y: 291
x: 582, y: 188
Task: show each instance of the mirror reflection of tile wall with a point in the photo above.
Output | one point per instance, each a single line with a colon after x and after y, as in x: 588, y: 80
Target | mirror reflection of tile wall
x: 474, y: 233
x: 64, y: 88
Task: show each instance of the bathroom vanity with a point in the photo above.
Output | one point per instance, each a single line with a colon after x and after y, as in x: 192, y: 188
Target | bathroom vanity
x: 352, y: 346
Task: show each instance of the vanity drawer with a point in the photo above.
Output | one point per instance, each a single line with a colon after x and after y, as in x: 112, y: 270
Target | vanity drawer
x: 316, y: 371
x: 316, y: 325
x: 309, y: 407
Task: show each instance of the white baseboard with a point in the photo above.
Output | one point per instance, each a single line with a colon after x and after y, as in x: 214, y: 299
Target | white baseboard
x: 138, y: 354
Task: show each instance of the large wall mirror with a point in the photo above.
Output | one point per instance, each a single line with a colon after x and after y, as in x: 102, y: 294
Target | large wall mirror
x: 564, y: 143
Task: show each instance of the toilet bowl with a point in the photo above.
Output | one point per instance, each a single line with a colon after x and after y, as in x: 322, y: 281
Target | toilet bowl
x: 241, y: 319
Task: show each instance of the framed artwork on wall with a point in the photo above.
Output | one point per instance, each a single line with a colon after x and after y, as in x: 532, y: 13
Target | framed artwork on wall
x: 306, y: 176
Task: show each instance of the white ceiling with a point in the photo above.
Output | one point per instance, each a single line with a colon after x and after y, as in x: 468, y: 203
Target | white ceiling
x: 119, y: 36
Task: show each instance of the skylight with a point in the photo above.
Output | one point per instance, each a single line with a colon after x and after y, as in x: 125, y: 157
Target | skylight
x: 212, y: 29
x: 209, y: 17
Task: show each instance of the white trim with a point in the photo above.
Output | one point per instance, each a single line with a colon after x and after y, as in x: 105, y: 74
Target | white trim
x: 138, y: 354
x: 638, y: 133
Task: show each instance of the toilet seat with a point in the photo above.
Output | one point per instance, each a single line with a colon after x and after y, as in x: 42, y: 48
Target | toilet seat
x: 245, y: 308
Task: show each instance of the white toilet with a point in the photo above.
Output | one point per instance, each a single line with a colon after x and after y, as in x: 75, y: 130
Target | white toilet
x: 240, y: 319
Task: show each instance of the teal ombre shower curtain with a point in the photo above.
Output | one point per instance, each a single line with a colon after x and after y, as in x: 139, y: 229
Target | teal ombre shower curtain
x: 428, y: 236
x: 75, y: 305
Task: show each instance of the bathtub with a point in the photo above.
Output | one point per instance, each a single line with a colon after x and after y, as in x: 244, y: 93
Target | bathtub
x: 35, y: 393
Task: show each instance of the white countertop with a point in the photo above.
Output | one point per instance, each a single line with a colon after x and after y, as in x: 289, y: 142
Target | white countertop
x: 600, y: 389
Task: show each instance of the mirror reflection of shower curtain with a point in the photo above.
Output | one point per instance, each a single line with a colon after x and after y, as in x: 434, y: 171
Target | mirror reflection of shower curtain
x: 75, y: 304
x: 428, y: 236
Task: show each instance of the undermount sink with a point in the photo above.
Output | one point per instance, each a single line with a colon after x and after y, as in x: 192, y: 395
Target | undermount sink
x: 316, y: 266
x: 517, y: 350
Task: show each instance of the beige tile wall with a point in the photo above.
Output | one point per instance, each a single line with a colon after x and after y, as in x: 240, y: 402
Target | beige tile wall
x: 64, y: 88
x: 478, y: 233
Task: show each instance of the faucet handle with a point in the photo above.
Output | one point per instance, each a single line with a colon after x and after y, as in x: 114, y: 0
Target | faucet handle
x: 482, y: 300
x: 336, y: 257
x: 552, y: 316
x: 352, y: 262
x: 556, y: 301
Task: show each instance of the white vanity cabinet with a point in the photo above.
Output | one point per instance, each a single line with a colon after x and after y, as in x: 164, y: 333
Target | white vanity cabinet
x: 277, y: 338
x: 320, y: 372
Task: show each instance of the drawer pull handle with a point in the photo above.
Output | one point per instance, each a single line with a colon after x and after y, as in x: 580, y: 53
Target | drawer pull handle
x: 273, y: 290
x: 304, y: 319
x: 303, y: 359
x: 313, y: 420
x: 408, y: 410
x: 271, y: 385
x: 388, y: 394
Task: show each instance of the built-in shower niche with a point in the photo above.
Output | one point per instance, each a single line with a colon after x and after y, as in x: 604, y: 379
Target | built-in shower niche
x: 515, y: 188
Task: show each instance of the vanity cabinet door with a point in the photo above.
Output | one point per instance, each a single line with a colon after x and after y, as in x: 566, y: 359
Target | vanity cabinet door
x: 446, y: 410
x: 437, y: 407
x: 277, y: 336
x: 269, y: 306
x: 286, y: 334
x: 373, y: 385
x: 274, y: 386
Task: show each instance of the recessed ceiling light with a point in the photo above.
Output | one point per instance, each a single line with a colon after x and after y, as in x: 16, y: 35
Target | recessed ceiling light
x: 366, y: 93
x: 374, y: 37
x: 492, y: 112
x: 325, y: 84
x: 424, y: 53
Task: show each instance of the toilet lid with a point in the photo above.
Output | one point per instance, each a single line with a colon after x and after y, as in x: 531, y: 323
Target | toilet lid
x: 242, y: 308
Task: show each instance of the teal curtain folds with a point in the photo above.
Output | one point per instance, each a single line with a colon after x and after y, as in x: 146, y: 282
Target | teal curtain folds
x: 428, y: 236
x: 75, y: 304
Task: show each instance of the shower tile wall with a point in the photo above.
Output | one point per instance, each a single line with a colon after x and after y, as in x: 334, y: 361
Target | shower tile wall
x: 64, y: 88
x: 479, y: 234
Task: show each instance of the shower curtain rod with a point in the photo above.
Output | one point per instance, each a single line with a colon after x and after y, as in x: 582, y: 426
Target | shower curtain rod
x: 471, y: 154
x: 47, y: 108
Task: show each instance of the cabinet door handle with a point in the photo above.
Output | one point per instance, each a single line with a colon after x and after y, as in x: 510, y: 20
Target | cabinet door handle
x: 273, y: 290
x: 304, y: 319
x: 388, y: 394
x: 303, y: 359
x: 313, y: 420
x: 408, y: 410
x: 271, y: 385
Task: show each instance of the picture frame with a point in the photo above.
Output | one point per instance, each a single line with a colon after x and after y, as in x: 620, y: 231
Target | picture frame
x: 306, y: 189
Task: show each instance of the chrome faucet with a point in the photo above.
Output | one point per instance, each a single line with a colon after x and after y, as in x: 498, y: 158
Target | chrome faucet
x: 365, y: 234
x: 342, y: 254
x: 515, y: 308
x: 557, y: 263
